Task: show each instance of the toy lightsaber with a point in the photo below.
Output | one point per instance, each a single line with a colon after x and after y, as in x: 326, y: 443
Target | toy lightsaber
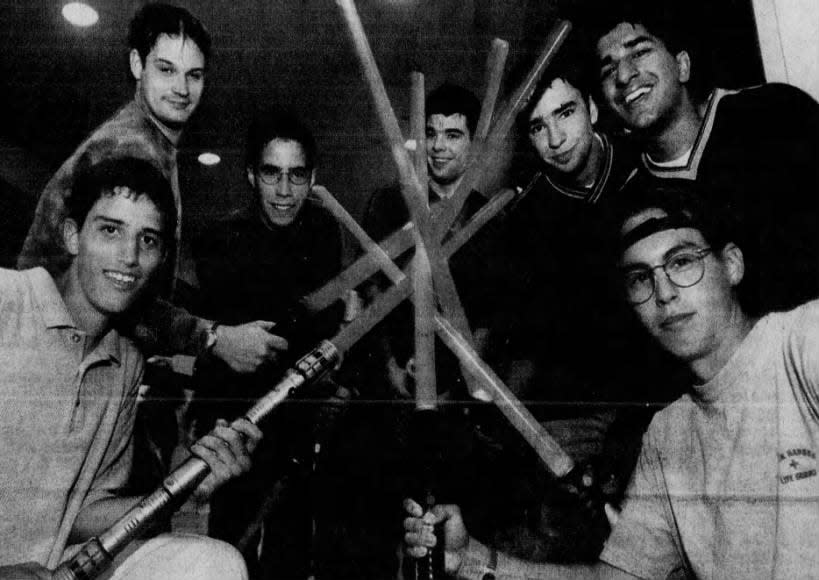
x: 98, y: 553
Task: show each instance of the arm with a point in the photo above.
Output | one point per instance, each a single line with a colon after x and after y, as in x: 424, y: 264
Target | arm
x: 468, y: 559
x: 226, y: 450
x: 244, y: 347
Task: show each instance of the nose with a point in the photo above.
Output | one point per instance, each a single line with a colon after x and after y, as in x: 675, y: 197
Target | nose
x: 129, y: 251
x: 438, y: 143
x: 625, y: 71
x: 556, y: 136
x: 283, y: 188
x: 664, y: 290
x: 180, y: 85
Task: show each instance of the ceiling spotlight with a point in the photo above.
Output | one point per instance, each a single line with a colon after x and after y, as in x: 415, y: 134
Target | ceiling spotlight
x: 209, y: 158
x: 80, y: 14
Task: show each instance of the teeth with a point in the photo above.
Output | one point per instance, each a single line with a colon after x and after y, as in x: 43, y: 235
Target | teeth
x: 120, y: 277
x: 634, y: 95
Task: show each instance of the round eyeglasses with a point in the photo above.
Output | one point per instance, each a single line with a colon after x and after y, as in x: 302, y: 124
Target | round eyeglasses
x: 271, y: 174
x: 683, y: 270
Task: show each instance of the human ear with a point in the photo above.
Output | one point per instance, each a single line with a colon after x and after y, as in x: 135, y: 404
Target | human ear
x: 312, y: 178
x: 734, y: 263
x: 251, y: 177
x: 71, y: 236
x: 136, y: 64
x: 684, y: 65
x: 593, y: 113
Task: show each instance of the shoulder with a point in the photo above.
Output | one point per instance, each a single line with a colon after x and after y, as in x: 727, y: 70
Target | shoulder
x: 668, y: 426
x: 775, y: 104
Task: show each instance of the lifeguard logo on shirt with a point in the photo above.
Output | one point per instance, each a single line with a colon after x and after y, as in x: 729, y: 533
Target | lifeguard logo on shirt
x: 796, y: 464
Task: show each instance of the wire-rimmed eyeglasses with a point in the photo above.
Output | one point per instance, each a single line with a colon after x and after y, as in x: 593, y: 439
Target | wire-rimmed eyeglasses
x: 683, y: 269
x: 271, y: 174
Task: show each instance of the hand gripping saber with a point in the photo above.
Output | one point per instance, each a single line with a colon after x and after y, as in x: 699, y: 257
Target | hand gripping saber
x: 96, y: 555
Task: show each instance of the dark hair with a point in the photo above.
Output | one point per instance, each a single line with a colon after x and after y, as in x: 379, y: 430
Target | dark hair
x: 93, y: 181
x: 449, y: 99
x: 670, y: 23
x: 698, y: 207
x: 573, y: 65
x: 158, y: 18
x: 278, y: 123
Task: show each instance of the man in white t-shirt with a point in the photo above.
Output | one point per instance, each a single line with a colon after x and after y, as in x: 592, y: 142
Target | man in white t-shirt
x: 726, y: 485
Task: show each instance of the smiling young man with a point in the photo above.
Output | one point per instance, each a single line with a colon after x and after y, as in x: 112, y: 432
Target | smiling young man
x: 69, y: 379
x: 169, y: 52
x: 726, y: 485
x: 757, y: 148
x: 258, y: 265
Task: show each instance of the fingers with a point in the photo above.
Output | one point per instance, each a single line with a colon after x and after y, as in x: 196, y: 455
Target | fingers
x: 224, y: 450
x: 251, y: 433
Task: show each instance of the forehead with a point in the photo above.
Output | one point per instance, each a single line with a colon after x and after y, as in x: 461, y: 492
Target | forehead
x: 178, y: 49
x: 283, y: 153
x: 441, y: 122
x: 555, y: 96
x: 125, y: 205
x: 620, y: 37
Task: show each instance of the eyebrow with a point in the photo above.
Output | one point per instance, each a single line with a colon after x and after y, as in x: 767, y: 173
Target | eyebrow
x: 670, y: 252
x: 629, y: 44
x: 109, y: 220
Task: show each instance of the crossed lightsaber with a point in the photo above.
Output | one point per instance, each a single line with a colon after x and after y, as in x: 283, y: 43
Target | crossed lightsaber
x: 426, y: 277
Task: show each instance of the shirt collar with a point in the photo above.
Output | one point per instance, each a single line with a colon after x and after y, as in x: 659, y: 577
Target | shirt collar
x: 56, y: 315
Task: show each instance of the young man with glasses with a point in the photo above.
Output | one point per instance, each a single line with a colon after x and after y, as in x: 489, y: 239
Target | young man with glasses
x: 726, y: 485
x: 256, y: 265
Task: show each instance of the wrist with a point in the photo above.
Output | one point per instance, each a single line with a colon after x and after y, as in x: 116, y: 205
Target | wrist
x: 479, y: 562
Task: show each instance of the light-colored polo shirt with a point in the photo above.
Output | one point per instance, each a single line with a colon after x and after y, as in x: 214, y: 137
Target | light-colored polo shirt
x: 66, y: 420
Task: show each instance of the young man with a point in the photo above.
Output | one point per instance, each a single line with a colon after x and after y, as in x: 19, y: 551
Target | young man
x: 69, y: 379
x: 757, y: 148
x: 726, y: 485
x: 168, y: 59
x: 258, y: 265
x: 451, y: 119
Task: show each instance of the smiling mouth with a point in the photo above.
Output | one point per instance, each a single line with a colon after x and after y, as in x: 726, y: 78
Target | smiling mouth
x: 121, y: 280
x: 282, y: 207
x: 636, y: 94
x: 440, y: 162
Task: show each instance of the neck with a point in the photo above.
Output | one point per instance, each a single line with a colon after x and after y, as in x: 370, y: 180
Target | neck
x: 675, y: 135
x: 174, y: 134
x: 739, y: 325
x: 444, y: 190
x: 87, y: 318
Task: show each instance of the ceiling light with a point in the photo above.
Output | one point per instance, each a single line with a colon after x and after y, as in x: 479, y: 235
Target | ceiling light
x: 80, y: 14
x: 209, y: 158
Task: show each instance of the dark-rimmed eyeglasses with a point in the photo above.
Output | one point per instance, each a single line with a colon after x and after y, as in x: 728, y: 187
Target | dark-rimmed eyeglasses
x: 683, y: 269
x: 271, y: 174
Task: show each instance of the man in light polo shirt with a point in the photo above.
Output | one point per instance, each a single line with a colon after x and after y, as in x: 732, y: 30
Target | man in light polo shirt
x: 69, y: 376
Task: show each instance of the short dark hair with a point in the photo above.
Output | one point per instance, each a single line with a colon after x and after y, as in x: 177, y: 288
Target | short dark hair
x: 573, y: 65
x: 698, y: 207
x: 450, y: 99
x: 95, y: 180
x: 663, y: 19
x: 158, y: 18
x: 278, y: 123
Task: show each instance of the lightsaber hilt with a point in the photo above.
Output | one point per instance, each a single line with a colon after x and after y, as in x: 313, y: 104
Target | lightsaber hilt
x: 98, y: 553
